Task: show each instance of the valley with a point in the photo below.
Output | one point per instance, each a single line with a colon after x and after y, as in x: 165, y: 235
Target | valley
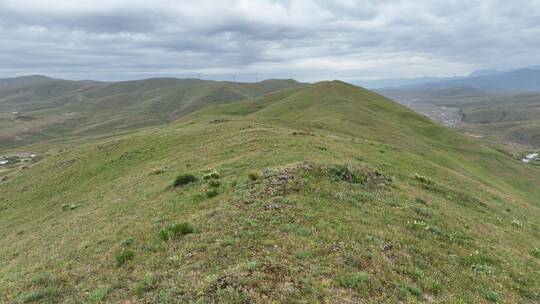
x: 508, y: 120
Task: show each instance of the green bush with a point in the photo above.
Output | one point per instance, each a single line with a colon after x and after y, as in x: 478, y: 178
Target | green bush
x: 147, y: 284
x: 47, y: 289
x: 423, y: 179
x: 158, y: 172
x: 175, y: 231
x: 490, y: 295
x: 536, y: 252
x: 210, y: 193
x: 42, y: 279
x: 128, y: 241
x: 420, y: 201
x: 344, y: 173
x: 405, y: 289
x: 211, y: 175
x: 253, y: 176
x: 251, y: 265
x: 422, y: 212
x: 124, y: 257
x: 164, y: 234
x: 181, y: 229
x: 48, y: 294
x: 184, y: 179
x: 97, y: 295
x: 304, y: 255
x: 354, y: 280
x: 214, y: 183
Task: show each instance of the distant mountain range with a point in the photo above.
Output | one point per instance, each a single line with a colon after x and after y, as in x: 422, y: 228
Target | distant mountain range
x: 519, y: 80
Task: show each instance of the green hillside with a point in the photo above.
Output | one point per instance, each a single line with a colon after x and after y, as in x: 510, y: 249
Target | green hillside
x: 48, y: 109
x: 327, y: 193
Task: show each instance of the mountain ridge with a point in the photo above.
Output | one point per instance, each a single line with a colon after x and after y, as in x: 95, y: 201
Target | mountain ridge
x: 24, y: 80
x: 524, y: 79
x: 53, y: 108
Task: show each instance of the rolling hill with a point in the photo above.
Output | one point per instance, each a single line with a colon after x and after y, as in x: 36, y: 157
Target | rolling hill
x: 327, y: 193
x: 37, y: 108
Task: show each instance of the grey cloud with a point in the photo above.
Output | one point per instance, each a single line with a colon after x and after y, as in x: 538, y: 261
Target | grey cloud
x: 308, y: 40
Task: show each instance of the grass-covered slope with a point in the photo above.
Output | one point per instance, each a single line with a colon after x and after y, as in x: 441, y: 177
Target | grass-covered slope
x: 327, y: 193
x: 51, y: 109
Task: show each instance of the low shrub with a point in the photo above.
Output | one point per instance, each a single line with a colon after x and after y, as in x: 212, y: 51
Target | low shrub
x: 219, y: 120
x: 214, y: 183
x: 42, y: 279
x: 369, y: 238
x: 158, y: 172
x: 164, y: 234
x: 184, y: 179
x: 251, y: 265
x: 536, y: 252
x: 422, y: 212
x: 303, y: 133
x: 490, y: 295
x: 253, y: 176
x: 405, y: 289
x: 128, y: 241
x: 148, y: 284
x: 49, y: 294
x: 47, y: 289
x: 344, y: 173
x: 97, y: 295
x: 423, y: 179
x: 175, y: 231
x: 212, y: 175
x: 210, y: 193
x: 362, y: 175
x: 516, y: 223
x: 420, y: 200
x: 304, y: 255
x: 354, y: 280
x: 124, y: 257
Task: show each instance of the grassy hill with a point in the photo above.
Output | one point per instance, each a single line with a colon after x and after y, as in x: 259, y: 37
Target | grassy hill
x: 326, y: 193
x: 33, y: 109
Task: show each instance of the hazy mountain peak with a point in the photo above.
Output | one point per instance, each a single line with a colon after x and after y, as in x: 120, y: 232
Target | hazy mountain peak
x: 485, y: 73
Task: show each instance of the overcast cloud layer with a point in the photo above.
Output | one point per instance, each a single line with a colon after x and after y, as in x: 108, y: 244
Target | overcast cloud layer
x: 306, y: 40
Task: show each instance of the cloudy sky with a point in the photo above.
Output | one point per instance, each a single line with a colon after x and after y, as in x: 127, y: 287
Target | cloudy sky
x: 306, y: 40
